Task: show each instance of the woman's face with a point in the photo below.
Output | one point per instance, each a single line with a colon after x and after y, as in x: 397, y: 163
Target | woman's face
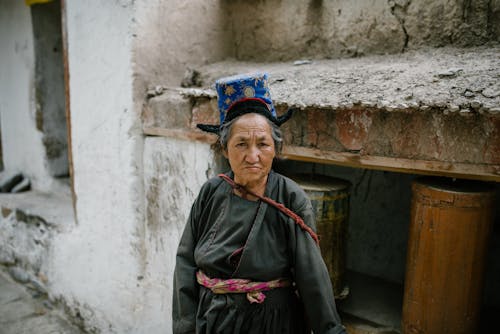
x: 250, y: 149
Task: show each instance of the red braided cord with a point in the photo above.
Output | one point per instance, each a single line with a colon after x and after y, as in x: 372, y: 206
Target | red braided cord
x: 277, y: 205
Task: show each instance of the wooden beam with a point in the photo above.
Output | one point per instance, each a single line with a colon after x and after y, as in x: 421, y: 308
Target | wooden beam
x: 427, y: 167
x: 181, y: 134
x: 481, y: 172
x: 67, y: 104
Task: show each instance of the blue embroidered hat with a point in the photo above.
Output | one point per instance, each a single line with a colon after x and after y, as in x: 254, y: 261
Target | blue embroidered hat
x: 243, y: 94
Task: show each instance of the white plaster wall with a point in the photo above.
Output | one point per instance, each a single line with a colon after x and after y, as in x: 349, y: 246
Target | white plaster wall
x: 174, y: 171
x: 21, y: 141
x: 114, y: 268
x: 95, y: 267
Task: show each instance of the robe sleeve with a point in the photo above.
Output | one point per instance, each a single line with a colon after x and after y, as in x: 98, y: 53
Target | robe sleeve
x: 312, y: 278
x: 185, y: 294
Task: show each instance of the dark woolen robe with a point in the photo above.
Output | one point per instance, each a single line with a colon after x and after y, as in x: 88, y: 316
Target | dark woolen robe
x: 227, y: 236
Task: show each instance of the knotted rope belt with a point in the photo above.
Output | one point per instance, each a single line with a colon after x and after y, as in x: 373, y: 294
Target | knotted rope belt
x: 239, y: 285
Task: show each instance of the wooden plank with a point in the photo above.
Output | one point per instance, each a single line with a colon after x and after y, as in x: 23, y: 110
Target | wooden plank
x: 426, y: 167
x: 181, y: 134
x: 481, y: 172
x: 64, y: 33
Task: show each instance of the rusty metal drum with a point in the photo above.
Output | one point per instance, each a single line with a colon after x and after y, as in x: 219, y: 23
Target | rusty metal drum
x: 449, y: 233
x: 330, y: 200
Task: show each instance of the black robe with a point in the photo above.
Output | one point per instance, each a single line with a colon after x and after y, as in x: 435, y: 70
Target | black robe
x: 227, y: 236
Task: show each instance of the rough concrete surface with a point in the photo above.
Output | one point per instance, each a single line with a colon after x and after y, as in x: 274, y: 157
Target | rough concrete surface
x: 23, y: 310
x: 171, y: 42
x: 282, y: 30
x: 28, y: 221
x: 449, y: 79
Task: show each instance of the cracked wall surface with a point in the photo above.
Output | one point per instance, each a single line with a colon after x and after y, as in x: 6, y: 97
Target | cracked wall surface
x: 284, y: 30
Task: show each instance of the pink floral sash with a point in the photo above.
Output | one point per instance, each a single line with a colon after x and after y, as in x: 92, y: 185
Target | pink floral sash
x: 239, y: 285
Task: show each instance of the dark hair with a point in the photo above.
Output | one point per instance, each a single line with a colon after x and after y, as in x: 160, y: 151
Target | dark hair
x: 225, y: 132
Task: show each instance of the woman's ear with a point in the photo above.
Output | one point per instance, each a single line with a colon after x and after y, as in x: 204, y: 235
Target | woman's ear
x: 224, y: 153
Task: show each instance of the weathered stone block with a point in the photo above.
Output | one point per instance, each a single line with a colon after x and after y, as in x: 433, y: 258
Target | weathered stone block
x: 168, y: 110
x: 205, y: 111
x: 352, y: 127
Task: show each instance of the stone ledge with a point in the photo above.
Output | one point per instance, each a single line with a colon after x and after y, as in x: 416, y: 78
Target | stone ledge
x: 53, y: 209
x: 445, y: 79
x: 428, y: 112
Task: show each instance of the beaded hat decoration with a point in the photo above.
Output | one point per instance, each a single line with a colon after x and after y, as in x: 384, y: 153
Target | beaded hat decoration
x: 243, y: 94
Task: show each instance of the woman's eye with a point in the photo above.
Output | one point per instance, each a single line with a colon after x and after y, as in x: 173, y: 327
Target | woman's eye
x: 240, y: 145
x: 263, y: 145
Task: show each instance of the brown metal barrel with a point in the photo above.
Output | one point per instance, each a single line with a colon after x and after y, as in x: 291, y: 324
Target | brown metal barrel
x: 330, y: 200
x: 449, y: 232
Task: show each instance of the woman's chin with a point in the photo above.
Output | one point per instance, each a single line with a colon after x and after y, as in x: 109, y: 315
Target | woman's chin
x: 251, y: 178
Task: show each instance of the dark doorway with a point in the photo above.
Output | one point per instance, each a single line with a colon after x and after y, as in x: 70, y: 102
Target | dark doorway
x: 49, y: 85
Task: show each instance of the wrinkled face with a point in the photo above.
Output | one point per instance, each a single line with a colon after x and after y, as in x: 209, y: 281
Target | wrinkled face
x: 250, y: 149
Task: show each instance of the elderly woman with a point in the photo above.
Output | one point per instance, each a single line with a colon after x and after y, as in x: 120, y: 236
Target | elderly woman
x: 248, y: 260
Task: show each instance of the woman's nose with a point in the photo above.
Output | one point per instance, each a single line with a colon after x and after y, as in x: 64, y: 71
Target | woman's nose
x: 252, y: 155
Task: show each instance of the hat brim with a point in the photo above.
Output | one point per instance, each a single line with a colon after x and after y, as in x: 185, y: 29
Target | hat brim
x: 209, y: 128
x: 278, y: 121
